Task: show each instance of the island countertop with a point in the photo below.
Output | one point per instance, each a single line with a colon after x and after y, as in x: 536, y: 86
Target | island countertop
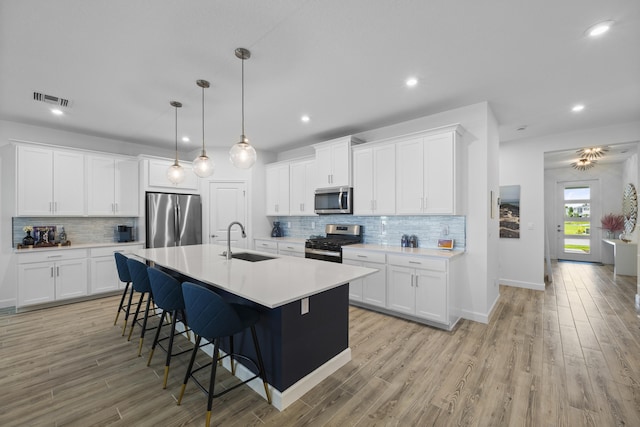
x: 271, y: 283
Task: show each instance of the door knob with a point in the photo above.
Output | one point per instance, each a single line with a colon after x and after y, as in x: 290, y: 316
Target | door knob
x: 214, y: 235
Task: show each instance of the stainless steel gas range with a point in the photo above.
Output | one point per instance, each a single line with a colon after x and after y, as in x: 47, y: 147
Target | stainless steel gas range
x: 329, y: 247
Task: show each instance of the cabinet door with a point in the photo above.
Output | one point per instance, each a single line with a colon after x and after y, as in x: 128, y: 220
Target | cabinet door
x: 36, y: 283
x: 323, y: 167
x: 71, y: 278
x: 301, y: 188
x: 384, y: 180
x: 68, y: 183
x: 104, y: 275
x: 409, y: 176
x: 277, y: 190
x: 401, y: 293
x: 341, y: 164
x: 439, y: 171
x: 127, y: 190
x: 363, y: 182
x: 355, y: 286
x: 35, y: 181
x: 101, y: 189
x: 431, y: 295
x: 374, y: 286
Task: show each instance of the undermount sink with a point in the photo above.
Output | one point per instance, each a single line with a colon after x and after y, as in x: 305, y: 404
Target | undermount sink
x: 251, y: 257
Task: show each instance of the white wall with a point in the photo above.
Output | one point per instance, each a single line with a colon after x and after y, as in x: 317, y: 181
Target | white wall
x: 522, y: 163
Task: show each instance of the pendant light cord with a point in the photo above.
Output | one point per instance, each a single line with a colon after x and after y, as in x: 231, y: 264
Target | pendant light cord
x: 176, y: 121
x: 203, y: 120
x: 243, y: 137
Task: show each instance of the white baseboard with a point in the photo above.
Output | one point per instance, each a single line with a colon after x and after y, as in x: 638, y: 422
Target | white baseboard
x: 11, y: 302
x: 525, y: 285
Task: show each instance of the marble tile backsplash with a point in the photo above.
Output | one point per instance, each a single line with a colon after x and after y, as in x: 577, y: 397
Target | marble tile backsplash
x: 383, y: 230
x: 79, y: 230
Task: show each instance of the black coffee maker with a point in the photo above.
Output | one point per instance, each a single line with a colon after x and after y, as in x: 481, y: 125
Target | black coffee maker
x: 124, y: 233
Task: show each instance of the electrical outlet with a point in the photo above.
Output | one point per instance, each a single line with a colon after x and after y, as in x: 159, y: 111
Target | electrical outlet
x: 288, y: 224
x: 313, y: 225
x: 304, y: 305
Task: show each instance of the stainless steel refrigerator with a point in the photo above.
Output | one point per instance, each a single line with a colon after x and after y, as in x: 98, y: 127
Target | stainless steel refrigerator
x: 173, y: 220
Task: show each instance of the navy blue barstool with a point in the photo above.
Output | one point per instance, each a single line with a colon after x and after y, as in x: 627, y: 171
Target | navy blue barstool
x: 140, y: 280
x: 125, y: 277
x: 167, y: 294
x: 212, y: 318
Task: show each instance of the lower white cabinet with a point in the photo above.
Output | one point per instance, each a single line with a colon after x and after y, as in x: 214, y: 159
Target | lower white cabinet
x: 371, y: 289
x: 104, y: 274
x: 51, y: 276
x: 291, y: 249
x: 266, y: 245
x: 418, y: 287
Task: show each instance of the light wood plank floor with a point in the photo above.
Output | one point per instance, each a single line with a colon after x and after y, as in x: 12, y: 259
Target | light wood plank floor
x: 569, y: 356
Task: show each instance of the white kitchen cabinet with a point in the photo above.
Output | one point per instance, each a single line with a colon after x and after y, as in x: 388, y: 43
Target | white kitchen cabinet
x: 371, y: 289
x: 51, y: 276
x: 302, y: 187
x: 374, y: 180
x: 333, y: 162
x: 277, y: 189
x: 266, y: 245
x: 102, y: 266
x: 157, y: 176
x: 113, y: 186
x: 49, y: 182
x: 295, y: 249
x: 418, y: 286
x: 429, y: 174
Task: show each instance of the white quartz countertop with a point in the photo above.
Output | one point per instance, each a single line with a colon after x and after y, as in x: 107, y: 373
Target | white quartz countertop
x: 271, y: 283
x: 442, y: 253
x: 75, y: 246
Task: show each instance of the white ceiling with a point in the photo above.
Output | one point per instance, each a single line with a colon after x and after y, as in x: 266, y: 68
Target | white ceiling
x: 344, y: 63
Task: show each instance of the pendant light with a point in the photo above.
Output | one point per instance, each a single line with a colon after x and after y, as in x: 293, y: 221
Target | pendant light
x: 242, y: 154
x: 176, y: 172
x: 203, y: 165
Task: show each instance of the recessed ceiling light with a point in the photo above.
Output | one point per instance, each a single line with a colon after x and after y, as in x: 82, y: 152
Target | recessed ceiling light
x: 305, y: 119
x: 599, y: 28
x: 411, y: 82
x: 577, y: 108
x: 185, y: 139
x: 56, y: 112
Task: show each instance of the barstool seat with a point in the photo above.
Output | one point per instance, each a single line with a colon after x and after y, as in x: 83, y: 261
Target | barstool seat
x: 140, y: 280
x: 167, y: 295
x: 125, y: 277
x: 212, y: 318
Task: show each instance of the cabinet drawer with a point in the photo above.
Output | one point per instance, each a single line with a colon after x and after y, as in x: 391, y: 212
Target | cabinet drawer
x: 266, y: 244
x: 51, y: 256
x: 418, y: 262
x: 108, y: 251
x: 291, y: 247
x: 368, y: 256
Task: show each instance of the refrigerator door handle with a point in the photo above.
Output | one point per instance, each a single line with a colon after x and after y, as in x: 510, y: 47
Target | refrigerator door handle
x: 177, y: 224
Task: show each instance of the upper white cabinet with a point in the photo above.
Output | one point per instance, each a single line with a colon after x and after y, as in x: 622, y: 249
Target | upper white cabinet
x: 113, y: 186
x: 333, y: 162
x: 277, y: 188
x: 302, y: 187
x: 374, y: 180
x: 429, y: 172
x: 157, y: 175
x: 49, y: 182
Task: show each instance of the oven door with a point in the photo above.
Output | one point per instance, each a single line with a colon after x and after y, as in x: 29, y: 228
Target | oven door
x: 330, y: 256
x: 334, y: 200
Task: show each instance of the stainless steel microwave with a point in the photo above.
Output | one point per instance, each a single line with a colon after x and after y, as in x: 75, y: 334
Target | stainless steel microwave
x: 337, y: 200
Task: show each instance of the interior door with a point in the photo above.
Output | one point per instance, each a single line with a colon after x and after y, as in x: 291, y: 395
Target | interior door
x: 578, y: 205
x: 227, y: 203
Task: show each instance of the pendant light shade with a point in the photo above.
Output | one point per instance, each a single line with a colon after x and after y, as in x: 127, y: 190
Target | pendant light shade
x: 203, y: 166
x: 242, y: 154
x: 175, y: 173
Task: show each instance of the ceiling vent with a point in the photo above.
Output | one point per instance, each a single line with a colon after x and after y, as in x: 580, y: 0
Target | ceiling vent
x: 50, y: 99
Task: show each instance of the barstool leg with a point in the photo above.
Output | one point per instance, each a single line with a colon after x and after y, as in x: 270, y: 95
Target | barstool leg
x: 126, y: 313
x: 233, y: 365
x: 263, y: 373
x: 171, y: 335
x: 156, y: 337
x: 135, y: 316
x: 194, y: 353
x: 124, y: 294
x: 212, y: 382
x: 144, y: 325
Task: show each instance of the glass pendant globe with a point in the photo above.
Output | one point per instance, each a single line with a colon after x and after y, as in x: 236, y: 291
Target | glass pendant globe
x: 242, y: 155
x: 203, y: 166
x: 175, y: 173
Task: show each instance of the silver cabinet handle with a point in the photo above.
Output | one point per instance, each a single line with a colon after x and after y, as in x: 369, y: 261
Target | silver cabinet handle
x: 58, y: 271
x: 51, y: 271
x: 412, y: 280
x: 54, y: 256
x: 415, y: 262
x: 416, y: 280
x: 362, y: 256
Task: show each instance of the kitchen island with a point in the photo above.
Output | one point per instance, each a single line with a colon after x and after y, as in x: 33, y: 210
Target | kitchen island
x: 303, y: 305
